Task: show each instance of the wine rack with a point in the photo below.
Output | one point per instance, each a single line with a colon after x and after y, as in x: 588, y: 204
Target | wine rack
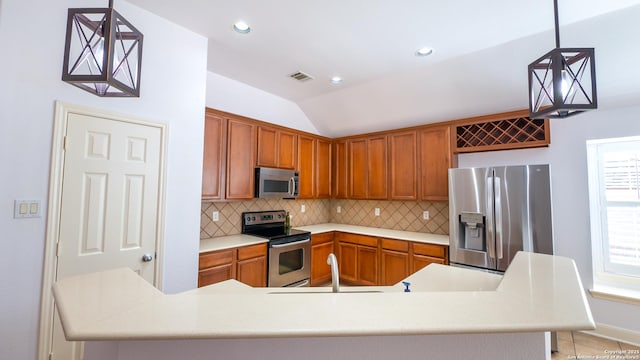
x: 501, y: 134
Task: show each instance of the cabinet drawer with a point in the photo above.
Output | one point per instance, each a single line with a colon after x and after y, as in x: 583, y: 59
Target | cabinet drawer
x: 397, y: 245
x: 215, y: 258
x: 321, y: 238
x: 357, y: 239
x: 248, y: 252
x: 429, y: 250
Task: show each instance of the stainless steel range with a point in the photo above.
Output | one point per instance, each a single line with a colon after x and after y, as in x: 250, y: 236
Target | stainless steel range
x: 289, y: 263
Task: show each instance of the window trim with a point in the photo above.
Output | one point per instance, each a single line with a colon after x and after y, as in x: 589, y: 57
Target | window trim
x: 607, y: 283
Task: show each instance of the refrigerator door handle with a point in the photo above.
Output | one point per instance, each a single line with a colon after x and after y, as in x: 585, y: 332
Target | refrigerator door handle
x: 498, y: 216
x: 490, y: 219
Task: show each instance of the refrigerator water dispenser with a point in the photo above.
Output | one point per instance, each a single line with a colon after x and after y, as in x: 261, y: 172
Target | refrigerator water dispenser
x: 473, y: 228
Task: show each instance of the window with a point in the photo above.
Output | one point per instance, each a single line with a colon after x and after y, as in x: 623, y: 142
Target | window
x: 614, y: 189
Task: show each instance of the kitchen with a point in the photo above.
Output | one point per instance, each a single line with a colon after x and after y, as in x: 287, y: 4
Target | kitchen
x: 27, y: 105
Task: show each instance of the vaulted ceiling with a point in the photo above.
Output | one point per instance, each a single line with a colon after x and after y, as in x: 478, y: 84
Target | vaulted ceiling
x: 481, y: 50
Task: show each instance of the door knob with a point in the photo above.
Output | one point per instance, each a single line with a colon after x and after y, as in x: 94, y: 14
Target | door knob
x: 147, y: 257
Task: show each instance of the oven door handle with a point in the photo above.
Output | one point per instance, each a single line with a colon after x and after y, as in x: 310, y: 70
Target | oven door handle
x: 291, y: 243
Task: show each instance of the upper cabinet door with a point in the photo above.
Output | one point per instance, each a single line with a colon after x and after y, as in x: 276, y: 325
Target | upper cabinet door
x: 213, y: 162
x: 306, y: 167
x: 287, y: 150
x: 358, y: 168
x: 377, y: 168
x: 435, y: 160
x: 276, y: 148
x: 323, y: 169
x: 267, y: 147
x: 403, y: 166
x: 368, y: 168
x: 339, y: 170
x: 240, y: 159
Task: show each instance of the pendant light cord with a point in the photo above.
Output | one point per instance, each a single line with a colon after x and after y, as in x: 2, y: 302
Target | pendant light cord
x: 555, y: 12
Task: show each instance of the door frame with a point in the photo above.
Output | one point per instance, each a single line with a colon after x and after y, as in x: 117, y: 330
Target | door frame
x: 62, y: 110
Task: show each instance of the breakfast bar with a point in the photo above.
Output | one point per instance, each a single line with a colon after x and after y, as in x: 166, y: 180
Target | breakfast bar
x: 117, y: 312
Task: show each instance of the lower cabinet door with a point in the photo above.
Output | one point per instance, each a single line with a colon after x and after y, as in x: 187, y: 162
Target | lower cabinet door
x: 320, y: 270
x: 253, y: 272
x: 347, y: 265
x: 395, y: 266
x: 367, y: 266
x: 215, y: 274
x: 420, y: 261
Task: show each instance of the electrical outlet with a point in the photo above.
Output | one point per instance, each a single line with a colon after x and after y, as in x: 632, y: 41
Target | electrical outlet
x: 376, y: 211
x: 215, y: 216
x: 303, y: 208
x: 339, y: 209
x: 425, y: 215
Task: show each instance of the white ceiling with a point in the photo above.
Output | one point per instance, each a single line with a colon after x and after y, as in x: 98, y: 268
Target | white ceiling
x: 481, y: 51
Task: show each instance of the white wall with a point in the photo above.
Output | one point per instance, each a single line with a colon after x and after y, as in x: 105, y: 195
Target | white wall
x: 173, y: 89
x: 239, y: 98
x: 570, y: 197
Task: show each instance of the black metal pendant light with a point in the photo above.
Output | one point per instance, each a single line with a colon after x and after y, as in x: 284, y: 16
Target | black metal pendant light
x: 563, y: 81
x: 102, y: 53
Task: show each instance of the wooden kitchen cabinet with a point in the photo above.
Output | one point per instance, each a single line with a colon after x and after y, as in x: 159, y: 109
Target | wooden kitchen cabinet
x: 368, y: 168
x: 323, y: 169
x: 377, y: 168
x: 216, y: 266
x: 306, y: 167
x: 403, y: 166
x: 276, y: 148
x: 247, y: 264
x: 436, y: 158
x: 367, y: 260
x: 214, y: 156
x: 425, y: 254
x: 394, y: 261
x: 347, y: 262
x: 358, y: 169
x: 321, y: 246
x: 252, y: 265
x: 339, y: 170
x: 240, y: 160
x: 314, y: 167
x: 357, y: 258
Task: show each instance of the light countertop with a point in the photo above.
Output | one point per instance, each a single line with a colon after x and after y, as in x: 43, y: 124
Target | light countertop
x: 227, y: 242
x: 537, y: 293
x: 231, y: 241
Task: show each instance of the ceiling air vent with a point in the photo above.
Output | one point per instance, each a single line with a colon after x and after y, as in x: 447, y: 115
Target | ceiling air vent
x: 300, y: 76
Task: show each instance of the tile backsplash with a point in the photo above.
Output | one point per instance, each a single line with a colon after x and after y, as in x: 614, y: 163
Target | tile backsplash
x: 396, y: 215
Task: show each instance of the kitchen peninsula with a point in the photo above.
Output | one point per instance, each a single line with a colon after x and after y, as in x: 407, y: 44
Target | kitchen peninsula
x: 450, y: 313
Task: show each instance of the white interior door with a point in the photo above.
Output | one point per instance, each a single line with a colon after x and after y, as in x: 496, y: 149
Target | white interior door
x: 109, y: 205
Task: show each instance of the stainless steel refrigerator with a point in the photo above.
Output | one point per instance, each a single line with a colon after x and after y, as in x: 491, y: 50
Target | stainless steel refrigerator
x: 495, y: 212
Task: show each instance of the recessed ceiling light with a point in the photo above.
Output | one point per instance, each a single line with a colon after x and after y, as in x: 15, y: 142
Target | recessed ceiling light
x: 241, y: 27
x: 336, y: 80
x: 425, y: 51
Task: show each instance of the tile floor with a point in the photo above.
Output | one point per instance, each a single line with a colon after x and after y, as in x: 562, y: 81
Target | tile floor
x: 577, y: 345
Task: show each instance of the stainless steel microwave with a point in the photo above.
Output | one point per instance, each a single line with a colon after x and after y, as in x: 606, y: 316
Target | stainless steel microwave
x: 276, y: 183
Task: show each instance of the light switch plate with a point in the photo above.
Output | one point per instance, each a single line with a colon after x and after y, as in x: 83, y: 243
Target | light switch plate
x: 376, y: 211
x: 215, y: 216
x: 23, y: 209
x: 303, y: 208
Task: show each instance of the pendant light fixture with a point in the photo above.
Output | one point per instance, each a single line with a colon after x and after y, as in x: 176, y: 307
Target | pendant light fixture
x: 102, y: 53
x: 563, y: 81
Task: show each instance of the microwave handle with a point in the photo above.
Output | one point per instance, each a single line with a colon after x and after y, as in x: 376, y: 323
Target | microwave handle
x: 292, y: 186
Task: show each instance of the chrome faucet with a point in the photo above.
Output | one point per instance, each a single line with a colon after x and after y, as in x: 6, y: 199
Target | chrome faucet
x: 335, y: 277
